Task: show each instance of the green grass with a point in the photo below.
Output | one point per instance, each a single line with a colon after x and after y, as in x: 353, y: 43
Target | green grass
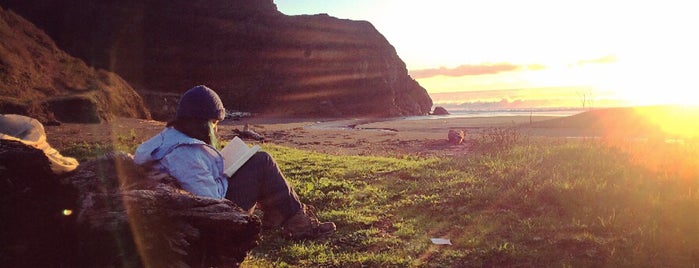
x: 512, y: 203
x: 83, y: 151
x: 530, y: 204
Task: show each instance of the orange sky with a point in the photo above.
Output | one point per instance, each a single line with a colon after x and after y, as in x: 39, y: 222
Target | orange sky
x: 638, y: 52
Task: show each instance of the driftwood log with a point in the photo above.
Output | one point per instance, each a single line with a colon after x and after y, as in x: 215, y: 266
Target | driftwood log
x: 110, y: 213
x: 248, y: 133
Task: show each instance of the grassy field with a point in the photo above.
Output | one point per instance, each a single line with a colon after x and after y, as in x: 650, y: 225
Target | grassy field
x: 514, y: 202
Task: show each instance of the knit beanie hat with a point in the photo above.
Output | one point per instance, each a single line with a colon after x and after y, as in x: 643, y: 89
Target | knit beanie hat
x: 200, y: 102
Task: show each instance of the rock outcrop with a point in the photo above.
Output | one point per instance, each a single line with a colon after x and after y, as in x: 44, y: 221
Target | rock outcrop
x: 439, y: 110
x: 40, y: 80
x: 456, y: 136
x: 255, y: 57
x: 111, y: 213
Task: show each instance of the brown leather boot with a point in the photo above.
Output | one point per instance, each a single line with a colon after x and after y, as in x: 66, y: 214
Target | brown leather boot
x: 305, y: 224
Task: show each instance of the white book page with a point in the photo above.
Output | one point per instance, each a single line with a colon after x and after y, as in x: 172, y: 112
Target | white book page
x: 235, y: 154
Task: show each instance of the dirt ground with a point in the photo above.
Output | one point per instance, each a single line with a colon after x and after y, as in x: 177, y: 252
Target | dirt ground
x: 387, y: 137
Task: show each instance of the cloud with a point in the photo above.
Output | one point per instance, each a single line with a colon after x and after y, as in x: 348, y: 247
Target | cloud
x: 601, y: 60
x: 535, y: 67
x: 467, y: 69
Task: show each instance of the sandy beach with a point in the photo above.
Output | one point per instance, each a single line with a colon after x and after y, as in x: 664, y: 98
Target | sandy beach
x: 422, y: 135
x: 380, y: 136
x: 387, y: 136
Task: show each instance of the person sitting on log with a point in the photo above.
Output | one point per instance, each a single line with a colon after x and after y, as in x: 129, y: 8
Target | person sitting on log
x: 188, y: 150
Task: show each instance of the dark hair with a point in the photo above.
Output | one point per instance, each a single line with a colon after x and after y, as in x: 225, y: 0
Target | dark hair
x: 194, y: 127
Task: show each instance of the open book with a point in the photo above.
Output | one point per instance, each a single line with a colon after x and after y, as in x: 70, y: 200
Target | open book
x: 235, y: 154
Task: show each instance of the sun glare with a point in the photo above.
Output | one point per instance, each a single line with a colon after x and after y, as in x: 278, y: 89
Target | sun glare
x: 642, y: 81
x: 640, y: 93
x: 675, y: 120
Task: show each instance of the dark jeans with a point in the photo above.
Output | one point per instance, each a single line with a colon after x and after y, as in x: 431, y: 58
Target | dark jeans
x: 259, y: 181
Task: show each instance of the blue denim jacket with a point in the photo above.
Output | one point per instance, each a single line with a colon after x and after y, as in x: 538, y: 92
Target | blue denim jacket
x: 196, y: 165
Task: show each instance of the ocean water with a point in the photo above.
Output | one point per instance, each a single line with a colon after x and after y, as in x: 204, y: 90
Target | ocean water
x: 353, y: 123
x: 557, y: 112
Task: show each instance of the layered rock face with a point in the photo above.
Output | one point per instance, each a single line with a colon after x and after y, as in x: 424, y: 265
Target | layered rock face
x: 256, y: 58
x: 40, y: 80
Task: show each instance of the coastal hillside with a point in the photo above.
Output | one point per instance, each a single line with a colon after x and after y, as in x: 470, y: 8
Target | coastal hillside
x: 664, y: 121
x: 40, y: 80
x: 258, y: 59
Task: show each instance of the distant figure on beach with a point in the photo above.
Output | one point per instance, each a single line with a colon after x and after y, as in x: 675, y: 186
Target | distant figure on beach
x: 188, y: 150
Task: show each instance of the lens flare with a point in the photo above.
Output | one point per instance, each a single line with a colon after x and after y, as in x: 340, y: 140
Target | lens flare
x: 67, y: 212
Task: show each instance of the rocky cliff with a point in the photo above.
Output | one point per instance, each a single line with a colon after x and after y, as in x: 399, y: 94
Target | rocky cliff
x: 255, y: 57
x: 40, y: 80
